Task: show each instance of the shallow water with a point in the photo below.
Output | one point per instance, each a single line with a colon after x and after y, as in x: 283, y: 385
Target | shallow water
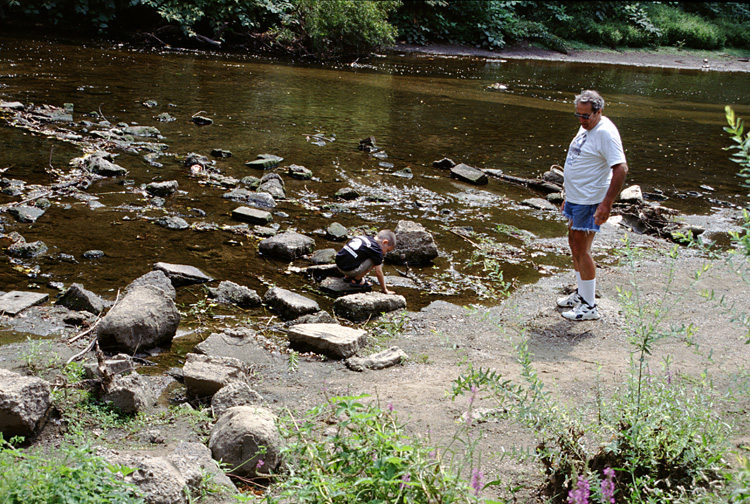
x: 419, y: 109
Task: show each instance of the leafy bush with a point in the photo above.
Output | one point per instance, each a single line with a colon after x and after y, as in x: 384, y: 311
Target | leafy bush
x: 69, y: 475
x: 736, y: 130
x: 683, y: 28
x: 364, y: 457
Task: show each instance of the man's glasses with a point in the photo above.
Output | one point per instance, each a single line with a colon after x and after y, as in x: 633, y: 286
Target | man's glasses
x: 584, y: 116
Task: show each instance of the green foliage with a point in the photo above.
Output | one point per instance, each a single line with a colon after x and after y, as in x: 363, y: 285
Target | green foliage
x: 741, y: 156
x: 685, y: 29
x: 365, y: 456
x: 67, y: 475
x: 39, y: 357
x: 661, y: 433
x: 334, y: 27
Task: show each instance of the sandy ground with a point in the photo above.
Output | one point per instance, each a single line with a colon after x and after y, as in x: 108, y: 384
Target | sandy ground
x: 661, y: 58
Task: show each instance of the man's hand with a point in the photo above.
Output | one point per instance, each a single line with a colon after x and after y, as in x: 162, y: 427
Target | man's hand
x: 602, y: 213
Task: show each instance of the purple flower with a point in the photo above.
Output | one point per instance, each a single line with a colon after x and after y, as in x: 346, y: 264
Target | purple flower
x: 259, y: 464
x: 608, y: 486
x: 580, y: 494
x: 474, y: 392
x: 404, y: 480
x: 476, y: 480
x: 389, y: 407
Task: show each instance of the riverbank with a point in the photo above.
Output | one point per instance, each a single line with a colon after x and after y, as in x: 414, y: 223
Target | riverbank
x: 663, y: 57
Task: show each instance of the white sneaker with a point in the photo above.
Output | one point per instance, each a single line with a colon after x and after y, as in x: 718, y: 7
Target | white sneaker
x: 570, y: 301
x: 582, y: 311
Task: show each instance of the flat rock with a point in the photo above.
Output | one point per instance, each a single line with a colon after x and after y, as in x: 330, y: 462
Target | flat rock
x: 469, y: 174
x: 539, y: 204
x: 182, y: 274
x: 288, y: 245
x: 14, y: 302
x: 333, y: 340
x: 252, y: 215
x: 358, y: 307
x: 387, y: 358
x: 337, y: 286
x: 289, y: 304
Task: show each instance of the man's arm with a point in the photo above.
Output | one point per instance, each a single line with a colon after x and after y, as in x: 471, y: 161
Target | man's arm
x: 619, y: 171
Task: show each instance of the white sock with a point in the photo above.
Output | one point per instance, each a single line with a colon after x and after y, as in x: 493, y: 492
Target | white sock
x: 578, y: 278
x: 587, y: 290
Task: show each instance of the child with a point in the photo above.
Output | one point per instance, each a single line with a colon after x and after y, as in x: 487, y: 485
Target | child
x: 363, y: 254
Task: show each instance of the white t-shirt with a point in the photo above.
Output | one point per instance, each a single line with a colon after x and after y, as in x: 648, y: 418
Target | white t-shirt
x: 588, y: 167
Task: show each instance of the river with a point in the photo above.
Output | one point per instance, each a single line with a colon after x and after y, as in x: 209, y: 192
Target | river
x: 419, y: 109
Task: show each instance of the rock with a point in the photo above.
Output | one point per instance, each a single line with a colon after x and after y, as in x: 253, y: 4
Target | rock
x: 196, y: 159
x: 173, y: 223
x: 250, y: 182
x: 93, y: 254
x: 347, y: 193
x: 337, y: 232
x: 539, y: 204
x: 414, y: 244
x: 289, y: 246
x: 300, y: 172
x: 25, y: 213
x: 246, y: 440
x: 142, y: 131
x: 155, y: 278
x: 263, y: 164
x: 323, y: 256
x: 368, y: 144
x: 117, y: 365
x: 22, y: 248
x: 264, y: 231
x: 405, y: 173
x: 204, y: 375
x: 321, y: 317
x: 165, y: 117
x: 24, y: 401
x: 252, y: 215
x: 14, y: 302
x: 130, y: 394
x: 337, y: 286
x: 289, y: 304
x: 632, y: 194
x: 79, y: 299
x: 162, y: 188
x: 264, y: 200
x: 144, y: 318
x: 181, y: 274
x: 101, y: 164
x: 333, y: 340
x: 554, y: 175
x: 362, y: 306
x: 12, y: 105
x: 233, y: 394
x: 272, y: 184
x: 221, y: 153
x: 231, y: 293
x: 382, y: 360
x: 556, y: 198
x: 469, y: 174
x: 444, y: 164
x: 201, y: 120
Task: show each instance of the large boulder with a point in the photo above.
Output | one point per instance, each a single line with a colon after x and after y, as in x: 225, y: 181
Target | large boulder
x: 24, y: 401
x: 289, y: 246
x: 155, y: 278
x: 358, y: 307
x: 246, y: 440
x: 233, y: 394
x: 414, y: 244
x: 144, y: 318
x: 289, y: 304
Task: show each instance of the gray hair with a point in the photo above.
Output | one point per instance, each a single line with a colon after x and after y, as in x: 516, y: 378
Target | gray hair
x: 592, y: 97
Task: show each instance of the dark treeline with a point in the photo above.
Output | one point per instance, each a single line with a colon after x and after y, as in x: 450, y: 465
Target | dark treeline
x: 330, y: 28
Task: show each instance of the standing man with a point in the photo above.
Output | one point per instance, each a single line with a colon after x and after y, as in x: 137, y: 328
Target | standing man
x: 595, y: 171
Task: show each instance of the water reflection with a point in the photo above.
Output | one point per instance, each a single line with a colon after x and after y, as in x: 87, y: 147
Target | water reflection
x: 420, y: 109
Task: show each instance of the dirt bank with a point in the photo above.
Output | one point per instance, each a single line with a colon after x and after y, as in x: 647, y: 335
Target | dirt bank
x: 685, y: 59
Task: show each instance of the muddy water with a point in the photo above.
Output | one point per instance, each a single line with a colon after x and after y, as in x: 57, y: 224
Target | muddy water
x: 418, y: 108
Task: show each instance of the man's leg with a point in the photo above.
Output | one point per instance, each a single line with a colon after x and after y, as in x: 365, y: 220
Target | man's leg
x: 580, y: 247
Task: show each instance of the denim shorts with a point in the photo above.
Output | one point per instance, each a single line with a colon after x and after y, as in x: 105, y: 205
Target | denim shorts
x: 581, y: 217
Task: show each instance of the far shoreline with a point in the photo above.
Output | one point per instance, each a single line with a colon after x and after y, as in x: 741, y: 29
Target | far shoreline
x: 663, y: 57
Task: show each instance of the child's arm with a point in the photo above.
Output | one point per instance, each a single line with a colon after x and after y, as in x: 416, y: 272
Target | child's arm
x: 381, y: 279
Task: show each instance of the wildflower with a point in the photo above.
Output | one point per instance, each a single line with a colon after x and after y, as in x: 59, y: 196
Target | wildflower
x: 259, y: 464
x: 476, y: 480
x: 580, y: 494
x: 474, y: 392
x: 404, y: 480
x: 608, y: 486
x: 389, y: 407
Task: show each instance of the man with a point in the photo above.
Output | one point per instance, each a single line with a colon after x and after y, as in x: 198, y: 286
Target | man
x: 595, y: 171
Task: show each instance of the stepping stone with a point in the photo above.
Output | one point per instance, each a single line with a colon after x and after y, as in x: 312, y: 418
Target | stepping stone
x: 252, y: 215
x: 14, y: 302
x: 333, y: 340
x: 469, y: 174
